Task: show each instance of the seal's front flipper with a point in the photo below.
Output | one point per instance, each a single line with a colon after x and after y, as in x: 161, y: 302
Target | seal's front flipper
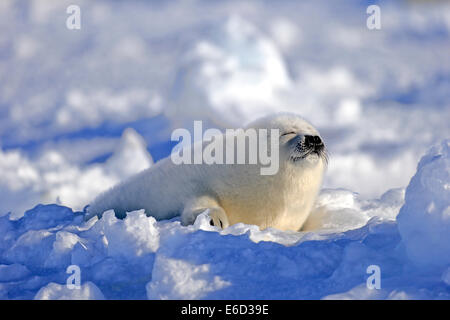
x: 198, y: 205
x: 218, y: 217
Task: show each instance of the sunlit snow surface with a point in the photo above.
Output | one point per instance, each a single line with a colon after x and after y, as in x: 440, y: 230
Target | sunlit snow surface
x: 82, y: 110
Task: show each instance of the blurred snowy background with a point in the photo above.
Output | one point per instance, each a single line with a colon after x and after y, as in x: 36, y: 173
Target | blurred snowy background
x: 83, y: 109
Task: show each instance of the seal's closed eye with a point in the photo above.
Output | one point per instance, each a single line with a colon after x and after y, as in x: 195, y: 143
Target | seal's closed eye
x: 287, y: 133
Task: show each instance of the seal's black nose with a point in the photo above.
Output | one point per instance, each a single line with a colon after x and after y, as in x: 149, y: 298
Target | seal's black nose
x: 313, y: 142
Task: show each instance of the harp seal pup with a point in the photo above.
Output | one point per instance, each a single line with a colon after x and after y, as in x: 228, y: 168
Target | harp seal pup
x: 232, y: 193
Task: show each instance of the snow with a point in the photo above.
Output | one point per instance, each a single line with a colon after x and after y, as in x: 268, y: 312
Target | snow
x: 81, y: 111
x: 132, y: 237
x: 54, y: 291
x: 91, y: 109
x: 54, y: 178
x: 424, y: 221
x: 13, y: 272
x: 178, y: 279
x: 238, y: 66
x: 139, y: 257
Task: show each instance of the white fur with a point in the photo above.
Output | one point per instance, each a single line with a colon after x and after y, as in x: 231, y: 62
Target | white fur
x: 232, y: 193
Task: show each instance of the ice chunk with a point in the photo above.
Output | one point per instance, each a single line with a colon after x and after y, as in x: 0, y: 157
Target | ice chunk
x: 60, y: 256
x: 424, y: 220
x: 132, y: 237
x: 32, y: 248
x: 45, y: 217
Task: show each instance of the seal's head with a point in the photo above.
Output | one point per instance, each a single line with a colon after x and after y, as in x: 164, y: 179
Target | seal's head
x: 300, y: 142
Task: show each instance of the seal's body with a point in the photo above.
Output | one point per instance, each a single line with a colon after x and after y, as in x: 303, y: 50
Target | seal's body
x: 232, y: 192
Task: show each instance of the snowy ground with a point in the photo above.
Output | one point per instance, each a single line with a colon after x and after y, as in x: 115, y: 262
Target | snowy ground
x: 140, y: 258
x: 82, y: 110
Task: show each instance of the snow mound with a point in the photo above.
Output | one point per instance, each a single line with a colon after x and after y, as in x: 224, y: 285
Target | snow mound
x: 341, y: 210
x: 236, y: 74
x: 130, y: 156
x: 424, y: 220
